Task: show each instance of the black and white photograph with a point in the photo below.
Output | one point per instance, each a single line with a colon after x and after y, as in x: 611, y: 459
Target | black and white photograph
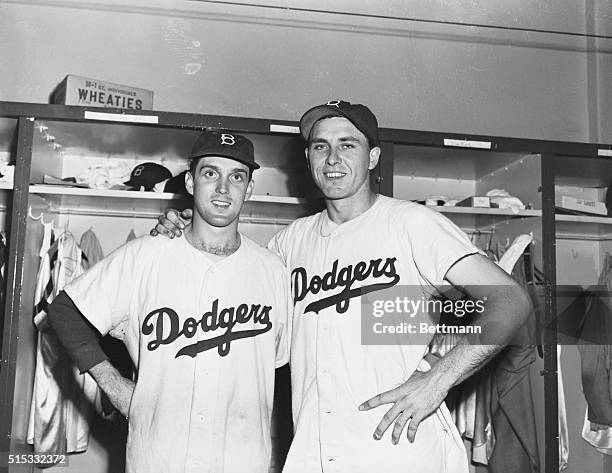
x: 305, y: 236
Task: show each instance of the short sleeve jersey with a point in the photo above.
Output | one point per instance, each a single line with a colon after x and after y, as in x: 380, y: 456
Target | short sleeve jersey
x: 393, y: 243
x: 206, y: 338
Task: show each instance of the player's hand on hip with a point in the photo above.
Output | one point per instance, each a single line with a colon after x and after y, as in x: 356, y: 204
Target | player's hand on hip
x: 171, y: 223
x: 413, y: 401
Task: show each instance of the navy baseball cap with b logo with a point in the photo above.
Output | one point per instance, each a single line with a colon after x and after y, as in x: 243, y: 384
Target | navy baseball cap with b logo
x: 225, y: 144
x: 358, y: 114
x: 147, y: 175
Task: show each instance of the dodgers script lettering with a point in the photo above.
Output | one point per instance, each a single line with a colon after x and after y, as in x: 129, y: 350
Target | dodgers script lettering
x: 164, y: 323
x: 344, y: 278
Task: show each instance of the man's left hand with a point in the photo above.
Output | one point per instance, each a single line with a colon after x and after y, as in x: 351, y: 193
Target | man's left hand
x: 413, y: 401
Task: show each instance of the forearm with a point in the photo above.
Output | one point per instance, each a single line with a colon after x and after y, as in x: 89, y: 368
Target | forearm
x: 460, y: 363
x: 118, y: 388
x: 505, y: 312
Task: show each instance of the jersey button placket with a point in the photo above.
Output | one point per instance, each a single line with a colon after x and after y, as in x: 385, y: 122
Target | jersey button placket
x: 326, y: 384
x: 204, y: 395
x: 327, y: 393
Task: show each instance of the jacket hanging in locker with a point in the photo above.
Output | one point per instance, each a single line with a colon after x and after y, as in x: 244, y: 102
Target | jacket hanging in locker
x: 516, y: 447
x: 595, y: 350
x: 62, y: 398
x: 479, y: 403
x: 562, y: 415
x: 91, y: 248
x: 3, y: 261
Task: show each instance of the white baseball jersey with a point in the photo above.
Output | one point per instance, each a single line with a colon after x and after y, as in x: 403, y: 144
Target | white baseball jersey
x: 206, y: 338
x: 393, y: 243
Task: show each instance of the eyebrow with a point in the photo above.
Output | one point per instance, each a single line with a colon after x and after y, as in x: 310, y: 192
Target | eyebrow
x: 343, y: 139
x: 216, y: 168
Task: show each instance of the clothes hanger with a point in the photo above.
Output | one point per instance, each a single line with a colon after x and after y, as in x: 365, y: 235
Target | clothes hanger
x: 490, y: 253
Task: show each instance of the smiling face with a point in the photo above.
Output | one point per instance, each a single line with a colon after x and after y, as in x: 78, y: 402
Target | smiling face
x: 339, y: 158
x: 219, y: 186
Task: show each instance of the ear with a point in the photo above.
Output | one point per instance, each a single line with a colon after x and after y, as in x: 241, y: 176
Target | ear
x: 249, y: 190
x: 307, y: 158
x: 189, y: 182
x: 374, y: 157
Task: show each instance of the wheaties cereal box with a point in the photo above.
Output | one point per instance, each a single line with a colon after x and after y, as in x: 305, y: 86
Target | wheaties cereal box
x: 76, y: 90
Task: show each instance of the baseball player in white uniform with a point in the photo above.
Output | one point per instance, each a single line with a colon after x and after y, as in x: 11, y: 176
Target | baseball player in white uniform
x: 205, y: 320
x: 363, y: 243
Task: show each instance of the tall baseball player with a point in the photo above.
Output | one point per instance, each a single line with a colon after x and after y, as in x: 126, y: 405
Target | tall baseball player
x: 204, y: 319
x: 363, y: 243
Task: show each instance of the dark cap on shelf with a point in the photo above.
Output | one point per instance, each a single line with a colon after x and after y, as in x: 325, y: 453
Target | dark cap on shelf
x: 147, y: 175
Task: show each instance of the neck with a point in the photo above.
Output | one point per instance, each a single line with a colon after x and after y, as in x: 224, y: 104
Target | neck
x: 220, y: 241
x: 343, y: 210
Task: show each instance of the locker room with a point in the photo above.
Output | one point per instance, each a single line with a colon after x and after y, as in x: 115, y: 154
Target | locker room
x: 491, y: 132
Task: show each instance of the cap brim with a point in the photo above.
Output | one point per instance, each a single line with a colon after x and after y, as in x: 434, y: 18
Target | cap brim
x: 252, y: 164
x: 315, y: 114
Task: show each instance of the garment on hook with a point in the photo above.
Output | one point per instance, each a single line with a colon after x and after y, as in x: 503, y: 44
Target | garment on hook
x: 61, y: 398
x: 489, y: 408
x: 92, y: 249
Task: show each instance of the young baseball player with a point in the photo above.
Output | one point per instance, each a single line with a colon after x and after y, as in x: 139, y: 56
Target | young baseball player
x: 364, y: 243
x: 205, y: 320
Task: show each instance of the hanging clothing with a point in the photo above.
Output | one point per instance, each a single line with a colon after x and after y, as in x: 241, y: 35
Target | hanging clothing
x: 484, y: 402
x: 3, y: 261
x: 599, y: 437
x: 513, y: 411
x: 62, y: 398
x: 91, y: 248
x: 595, y: 359
x: 563, y: 427
x: 595, y: 348
x: 510, y: 257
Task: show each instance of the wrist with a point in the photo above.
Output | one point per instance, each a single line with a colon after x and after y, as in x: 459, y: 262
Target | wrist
x: 440, y: 378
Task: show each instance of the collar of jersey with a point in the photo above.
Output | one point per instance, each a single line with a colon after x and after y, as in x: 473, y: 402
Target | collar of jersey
x: 328, y: 227
x: 203, y: 255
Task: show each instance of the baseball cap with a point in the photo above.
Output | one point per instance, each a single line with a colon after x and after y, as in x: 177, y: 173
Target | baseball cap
x: 147, y: 175
x: 358, y: 114
x: 176, y: 185
x: 228, y: 145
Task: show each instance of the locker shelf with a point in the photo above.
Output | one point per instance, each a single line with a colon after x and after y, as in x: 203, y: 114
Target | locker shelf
x: 487, y: 211
x: 481, y: 218
x: 75, y: 200
x: 583, y: 227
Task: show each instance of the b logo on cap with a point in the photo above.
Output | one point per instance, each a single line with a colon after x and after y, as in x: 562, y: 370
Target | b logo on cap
x: 228, y: 139
x: 138, y: 171
x: 334, y: 103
